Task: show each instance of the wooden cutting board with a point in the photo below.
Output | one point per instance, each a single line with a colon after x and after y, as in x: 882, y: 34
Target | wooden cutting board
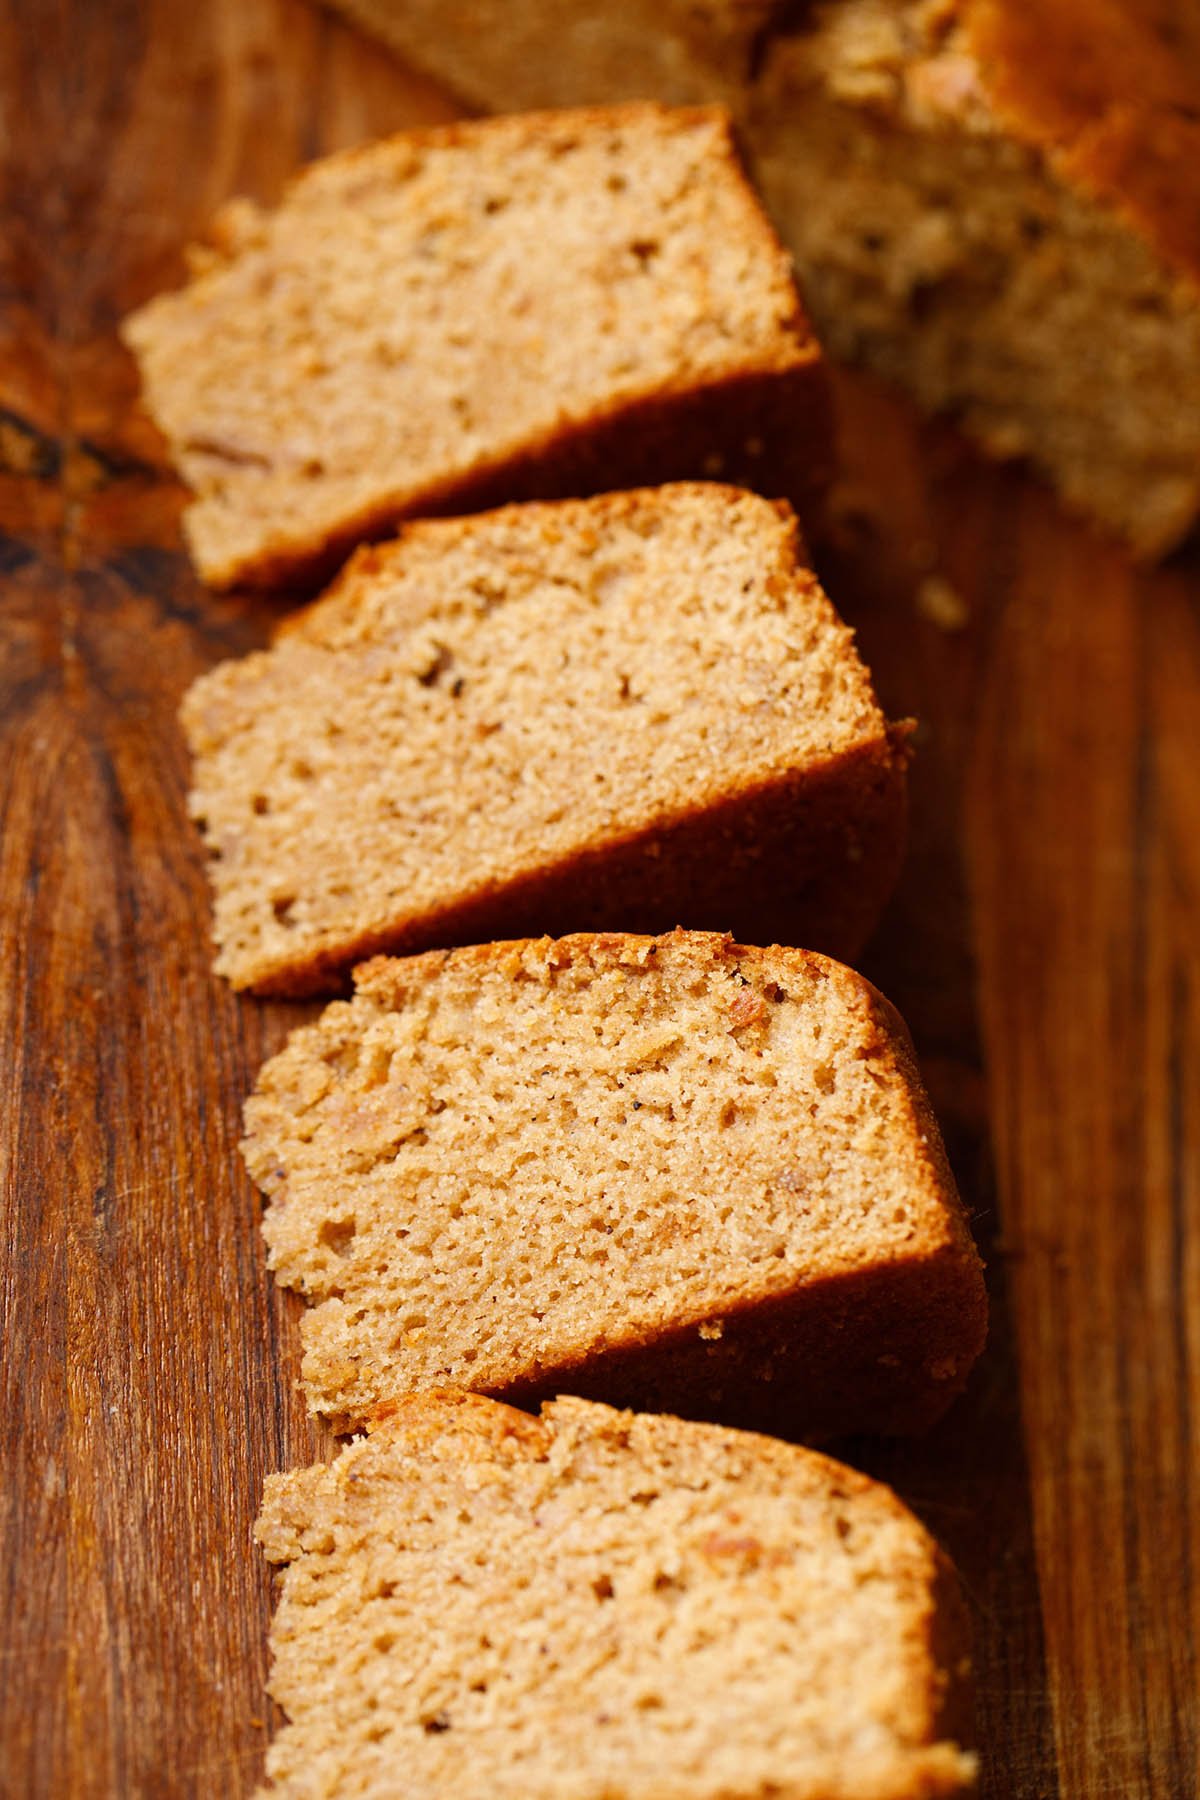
x: 1043, y: 946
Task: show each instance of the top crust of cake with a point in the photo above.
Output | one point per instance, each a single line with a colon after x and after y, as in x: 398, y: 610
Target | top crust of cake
x: 1107, y: 91
x: 598, y: 1605
x: 1110, y: 90
x: 426, y: 313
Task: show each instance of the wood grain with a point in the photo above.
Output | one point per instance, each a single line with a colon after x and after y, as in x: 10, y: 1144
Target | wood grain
x: 1043, y: 946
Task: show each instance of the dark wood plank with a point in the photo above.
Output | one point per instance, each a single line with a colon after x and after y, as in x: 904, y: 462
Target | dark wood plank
x: 150, y: 1366
x: 914, y: 504
x: 1057, y: 804
x: 1043, y: 946
x: 1084, y: 810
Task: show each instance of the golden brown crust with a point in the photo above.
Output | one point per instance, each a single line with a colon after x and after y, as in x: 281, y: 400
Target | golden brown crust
x: 454, y: 1423
x: 1110, y: 91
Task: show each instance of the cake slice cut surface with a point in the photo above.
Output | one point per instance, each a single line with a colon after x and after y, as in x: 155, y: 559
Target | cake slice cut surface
x: 594, y: 1603
x: 548, y: 304
x: 628, y: 711
x: 676, y: 1172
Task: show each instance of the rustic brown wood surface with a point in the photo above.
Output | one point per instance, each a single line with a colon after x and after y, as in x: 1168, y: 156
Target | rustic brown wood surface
x: 1043, y: 946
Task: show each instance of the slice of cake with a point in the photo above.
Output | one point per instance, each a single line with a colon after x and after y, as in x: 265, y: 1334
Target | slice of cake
x: 674, y: 1172
x: 530, y: 306
x: 595, y: 1604
x: 626, y: 711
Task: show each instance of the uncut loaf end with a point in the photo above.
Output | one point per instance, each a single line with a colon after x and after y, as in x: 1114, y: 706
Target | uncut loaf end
x: 676, y: 1172
x: 995, y: 202
x: 478, y: 1603
x: 550, y: 304
x: 625, y: 711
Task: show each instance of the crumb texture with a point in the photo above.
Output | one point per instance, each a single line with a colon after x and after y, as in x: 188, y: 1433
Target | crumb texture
x: 600, y: 1604
x: 965, y: 248
x: 501, y: 1167
x: 488, y: 701
x: 447, y: 302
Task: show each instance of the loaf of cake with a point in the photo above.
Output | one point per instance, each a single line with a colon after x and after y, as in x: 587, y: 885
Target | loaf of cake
x: 623, y: 711
x: 676, y: 1172
x: 996, y: 202
x: 993, y: 202
x: 596, y: 1604
x: 533, y: 306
